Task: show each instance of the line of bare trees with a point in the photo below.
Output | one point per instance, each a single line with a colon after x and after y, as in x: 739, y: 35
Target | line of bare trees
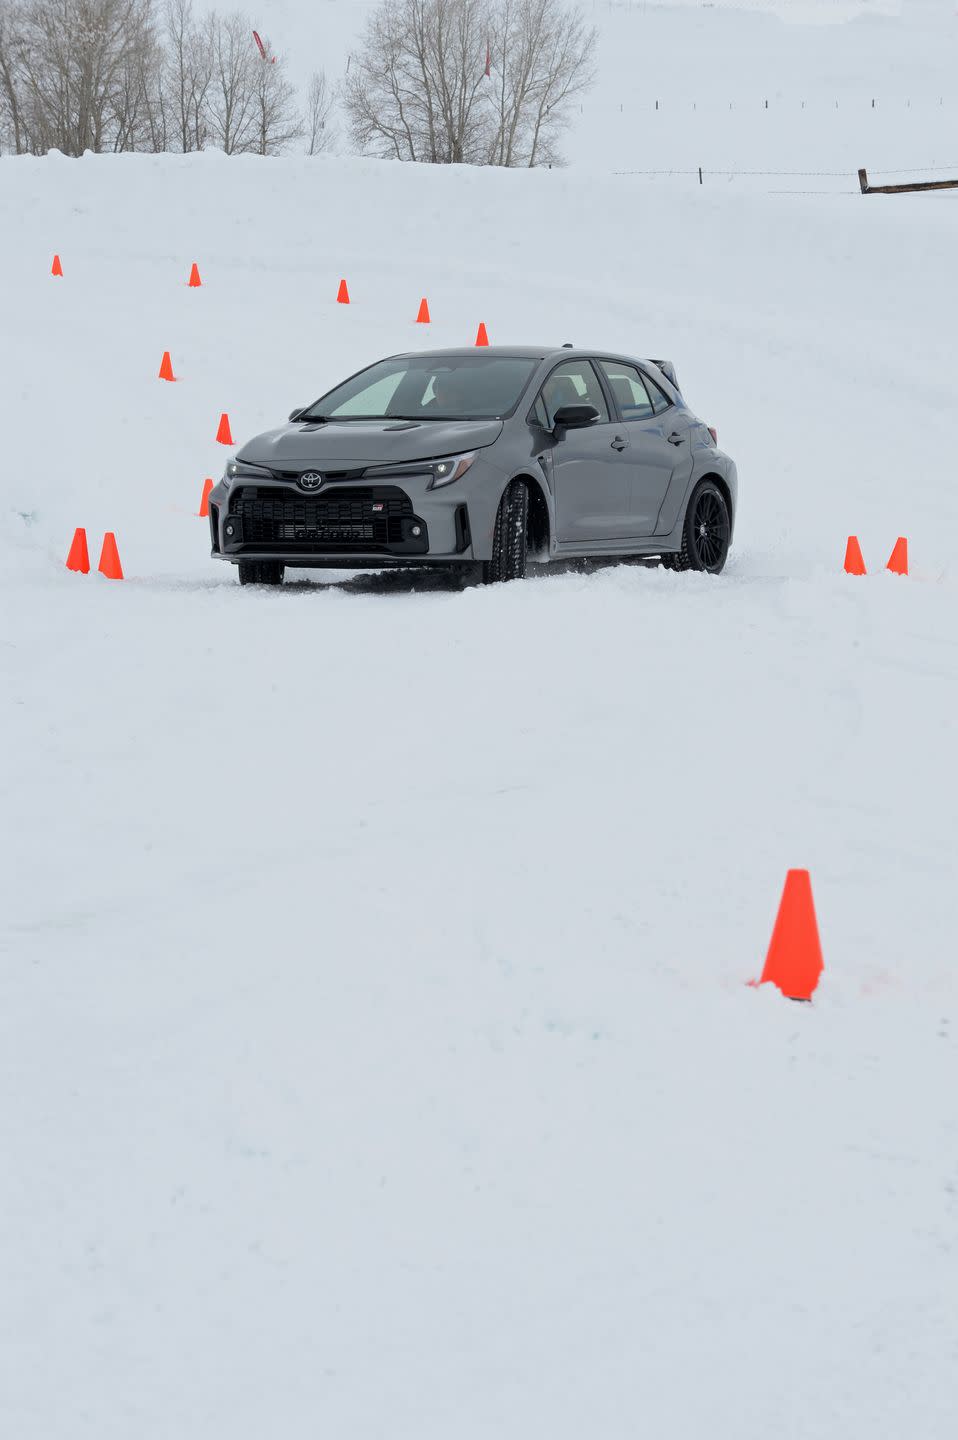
x: 80, y: 75
x: 481, y: 82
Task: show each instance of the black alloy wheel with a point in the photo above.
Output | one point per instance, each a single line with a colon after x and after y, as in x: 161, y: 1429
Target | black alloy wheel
x: 710, y: 530
x: 705, y: 534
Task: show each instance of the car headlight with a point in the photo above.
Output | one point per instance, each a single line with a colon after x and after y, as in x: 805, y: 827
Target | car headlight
x: 441, y: 472
x: 444, y: 472
x: 241, y: 469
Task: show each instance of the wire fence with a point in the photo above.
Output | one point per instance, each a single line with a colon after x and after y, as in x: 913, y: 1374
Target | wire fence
x: 796, y: 174
x: 779, y: 104
x: 701, y: 174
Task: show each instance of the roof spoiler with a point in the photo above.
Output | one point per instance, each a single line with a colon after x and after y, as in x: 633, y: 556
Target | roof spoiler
x: 668, y: 370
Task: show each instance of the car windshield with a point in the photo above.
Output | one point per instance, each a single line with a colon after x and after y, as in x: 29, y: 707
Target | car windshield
x: 429, y: 387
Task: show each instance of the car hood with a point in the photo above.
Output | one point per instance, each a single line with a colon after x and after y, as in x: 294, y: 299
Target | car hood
x: 350, y: 444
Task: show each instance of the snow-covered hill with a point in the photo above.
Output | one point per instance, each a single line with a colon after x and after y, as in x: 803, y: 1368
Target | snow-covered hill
x: 878, y: 91
x: 377, y: 1057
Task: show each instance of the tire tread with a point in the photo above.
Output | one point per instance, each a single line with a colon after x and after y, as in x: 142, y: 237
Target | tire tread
x: 511, y: 536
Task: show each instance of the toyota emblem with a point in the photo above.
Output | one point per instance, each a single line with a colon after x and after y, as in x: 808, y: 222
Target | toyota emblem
x: 310, y: 481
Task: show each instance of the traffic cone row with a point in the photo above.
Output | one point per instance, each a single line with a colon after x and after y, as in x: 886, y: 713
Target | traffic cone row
x: 855, y: 561
x: 342, y: 298
x: 194, y: 281
x: 79, y: 557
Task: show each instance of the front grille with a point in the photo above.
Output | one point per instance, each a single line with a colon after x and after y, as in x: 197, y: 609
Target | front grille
x: 350, y: 516
x: 331, y: 476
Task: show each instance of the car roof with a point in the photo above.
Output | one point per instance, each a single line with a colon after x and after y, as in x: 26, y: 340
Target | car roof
x: 525, y: 352
x: 514, y: 352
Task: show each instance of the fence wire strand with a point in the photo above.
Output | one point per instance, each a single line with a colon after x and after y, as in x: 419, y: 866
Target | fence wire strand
x: 797, y: 174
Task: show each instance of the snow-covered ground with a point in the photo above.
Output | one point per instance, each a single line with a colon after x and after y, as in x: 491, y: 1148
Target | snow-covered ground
x: 376, y: 1056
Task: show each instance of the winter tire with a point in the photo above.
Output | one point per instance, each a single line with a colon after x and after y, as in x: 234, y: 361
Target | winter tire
x: 261, y: 572
x: 705, y: 533
x: 510, y: 540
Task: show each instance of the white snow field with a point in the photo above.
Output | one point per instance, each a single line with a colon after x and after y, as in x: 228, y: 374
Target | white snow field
x: 376, y: 1052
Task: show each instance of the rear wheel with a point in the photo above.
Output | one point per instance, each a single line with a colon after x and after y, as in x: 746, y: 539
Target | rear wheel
x: 510, y: 540
x: 706, y: 532
x: 261, y: 572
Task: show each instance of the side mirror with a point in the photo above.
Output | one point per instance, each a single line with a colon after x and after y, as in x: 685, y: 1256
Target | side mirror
x: 574, y: 417
x: 295, y: 414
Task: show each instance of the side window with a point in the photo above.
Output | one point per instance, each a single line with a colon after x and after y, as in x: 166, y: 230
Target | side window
x: 629, y: 388
x: 660, y: 401
x: 573, y: 383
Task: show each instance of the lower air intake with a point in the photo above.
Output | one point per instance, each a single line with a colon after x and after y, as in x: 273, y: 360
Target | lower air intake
x: 353, y: 517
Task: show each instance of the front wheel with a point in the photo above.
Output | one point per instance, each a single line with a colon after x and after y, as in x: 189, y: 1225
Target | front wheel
x: 510, y: 540
x: 261, y: 572
x: 705, y: 533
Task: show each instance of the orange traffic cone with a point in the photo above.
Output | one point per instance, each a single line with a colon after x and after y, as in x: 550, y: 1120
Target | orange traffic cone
x: 898, y: 559
x: 79, y: 556
x: 343, y: 296
x: 110, y: 558
x: 224, y: 435
x: 166, y: 367
x: 204, y: 509
x: 481, y: 337
x: 194, y: 279
x: 854, y: 560
x: 56, y: 268
x: 423, y: 317
x: 794, y: 960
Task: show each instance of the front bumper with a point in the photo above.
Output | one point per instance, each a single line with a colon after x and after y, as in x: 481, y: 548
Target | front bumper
x: 347, y: 522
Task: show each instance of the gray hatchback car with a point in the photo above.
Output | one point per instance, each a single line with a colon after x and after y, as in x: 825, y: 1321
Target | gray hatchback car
x: 493, y: 456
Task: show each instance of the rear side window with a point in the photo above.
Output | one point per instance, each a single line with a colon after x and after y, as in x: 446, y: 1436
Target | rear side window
x: 660, y: 401
x: 629, y: 388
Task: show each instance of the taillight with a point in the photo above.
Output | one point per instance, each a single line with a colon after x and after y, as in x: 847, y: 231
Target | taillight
x: 714, y: 434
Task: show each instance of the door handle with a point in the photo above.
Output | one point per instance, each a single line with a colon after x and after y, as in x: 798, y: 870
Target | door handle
x: 618, y: 443
x: 676, y: 438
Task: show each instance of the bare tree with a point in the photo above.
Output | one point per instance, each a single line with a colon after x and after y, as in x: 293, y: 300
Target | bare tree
x: 71, y: 64
x: 415, y: 92
x: 319, y: 107
x: 544, y: 58
x: 420, y: 90
x: 97, y: 75
x: 12, y: 131
x: 188, y: 74
x: 231, y: 100
x: 278, y: 122
x: 139, y: 110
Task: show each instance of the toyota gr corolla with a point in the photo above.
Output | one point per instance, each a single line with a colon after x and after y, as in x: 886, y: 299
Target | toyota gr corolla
x: 492, y: 456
